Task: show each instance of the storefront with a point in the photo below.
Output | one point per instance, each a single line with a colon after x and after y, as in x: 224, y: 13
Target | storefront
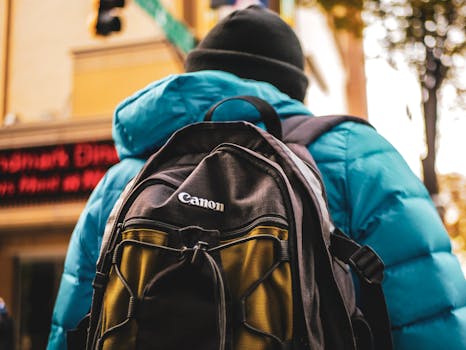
x: 47, y: 172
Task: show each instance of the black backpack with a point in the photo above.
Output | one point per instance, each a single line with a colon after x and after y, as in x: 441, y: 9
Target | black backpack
x: 224, y: 241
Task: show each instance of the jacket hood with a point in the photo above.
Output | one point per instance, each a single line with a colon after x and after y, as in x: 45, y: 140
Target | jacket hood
x: 144, y: 121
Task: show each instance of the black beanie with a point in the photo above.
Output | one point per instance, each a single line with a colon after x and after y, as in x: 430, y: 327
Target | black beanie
x: 254, y: 43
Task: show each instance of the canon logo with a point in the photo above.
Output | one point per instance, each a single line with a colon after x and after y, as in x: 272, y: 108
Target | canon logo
x: 186, y: 198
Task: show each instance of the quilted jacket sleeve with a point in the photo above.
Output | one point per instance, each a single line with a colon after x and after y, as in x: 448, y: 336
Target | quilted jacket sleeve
x: 378, y: 201
x: 75, y: 292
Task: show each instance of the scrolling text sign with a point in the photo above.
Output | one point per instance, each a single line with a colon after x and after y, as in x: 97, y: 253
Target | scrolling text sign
x: 53, y: 173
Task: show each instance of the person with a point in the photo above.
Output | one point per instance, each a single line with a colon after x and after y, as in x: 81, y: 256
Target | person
x: 6, y: 328
x: 373, y: 195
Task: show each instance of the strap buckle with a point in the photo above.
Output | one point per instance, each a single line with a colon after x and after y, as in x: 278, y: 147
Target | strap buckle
x: 100, y: 280
x: 367, y: 265
x: 200, y: 246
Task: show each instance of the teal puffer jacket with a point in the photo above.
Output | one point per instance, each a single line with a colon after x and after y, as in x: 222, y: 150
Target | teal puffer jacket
x: 373, y: 196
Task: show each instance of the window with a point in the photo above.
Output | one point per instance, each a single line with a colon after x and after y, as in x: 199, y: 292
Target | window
x: 36, y: 287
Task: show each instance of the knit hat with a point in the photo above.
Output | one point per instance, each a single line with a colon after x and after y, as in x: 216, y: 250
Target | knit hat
x: 254, y: 43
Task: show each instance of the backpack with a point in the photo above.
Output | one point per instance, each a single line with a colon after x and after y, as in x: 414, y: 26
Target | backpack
x: 224, y: 241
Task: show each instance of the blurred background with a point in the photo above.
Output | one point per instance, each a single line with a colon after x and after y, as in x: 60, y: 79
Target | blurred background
x: 65, y: 65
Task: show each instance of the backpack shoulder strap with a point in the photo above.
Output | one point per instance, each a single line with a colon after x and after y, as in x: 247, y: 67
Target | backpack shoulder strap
x: 298, y: 132
x: 369, y: 269
x: 304, y: 130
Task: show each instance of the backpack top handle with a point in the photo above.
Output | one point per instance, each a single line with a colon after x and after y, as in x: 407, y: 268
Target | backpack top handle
x: 267, y: 113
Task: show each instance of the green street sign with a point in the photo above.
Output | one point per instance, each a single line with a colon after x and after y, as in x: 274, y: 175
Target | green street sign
x: 176, y: 32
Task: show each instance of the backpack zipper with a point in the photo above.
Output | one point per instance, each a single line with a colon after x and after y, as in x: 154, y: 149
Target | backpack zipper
x: 141, y: 223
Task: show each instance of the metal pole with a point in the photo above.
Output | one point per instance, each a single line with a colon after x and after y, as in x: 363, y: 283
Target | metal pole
x: 6, y: 62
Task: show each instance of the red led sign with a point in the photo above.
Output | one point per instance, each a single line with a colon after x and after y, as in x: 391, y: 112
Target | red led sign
x: 53, y: 173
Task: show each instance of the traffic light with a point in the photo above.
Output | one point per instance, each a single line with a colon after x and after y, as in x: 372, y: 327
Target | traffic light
x: 106, y: 19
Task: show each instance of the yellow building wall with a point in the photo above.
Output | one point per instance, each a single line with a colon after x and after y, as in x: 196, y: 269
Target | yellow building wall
x: 102, y: 78
x: 43, y: 36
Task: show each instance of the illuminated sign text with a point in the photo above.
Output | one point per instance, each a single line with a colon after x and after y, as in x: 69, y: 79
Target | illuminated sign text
x: 53, y: 173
